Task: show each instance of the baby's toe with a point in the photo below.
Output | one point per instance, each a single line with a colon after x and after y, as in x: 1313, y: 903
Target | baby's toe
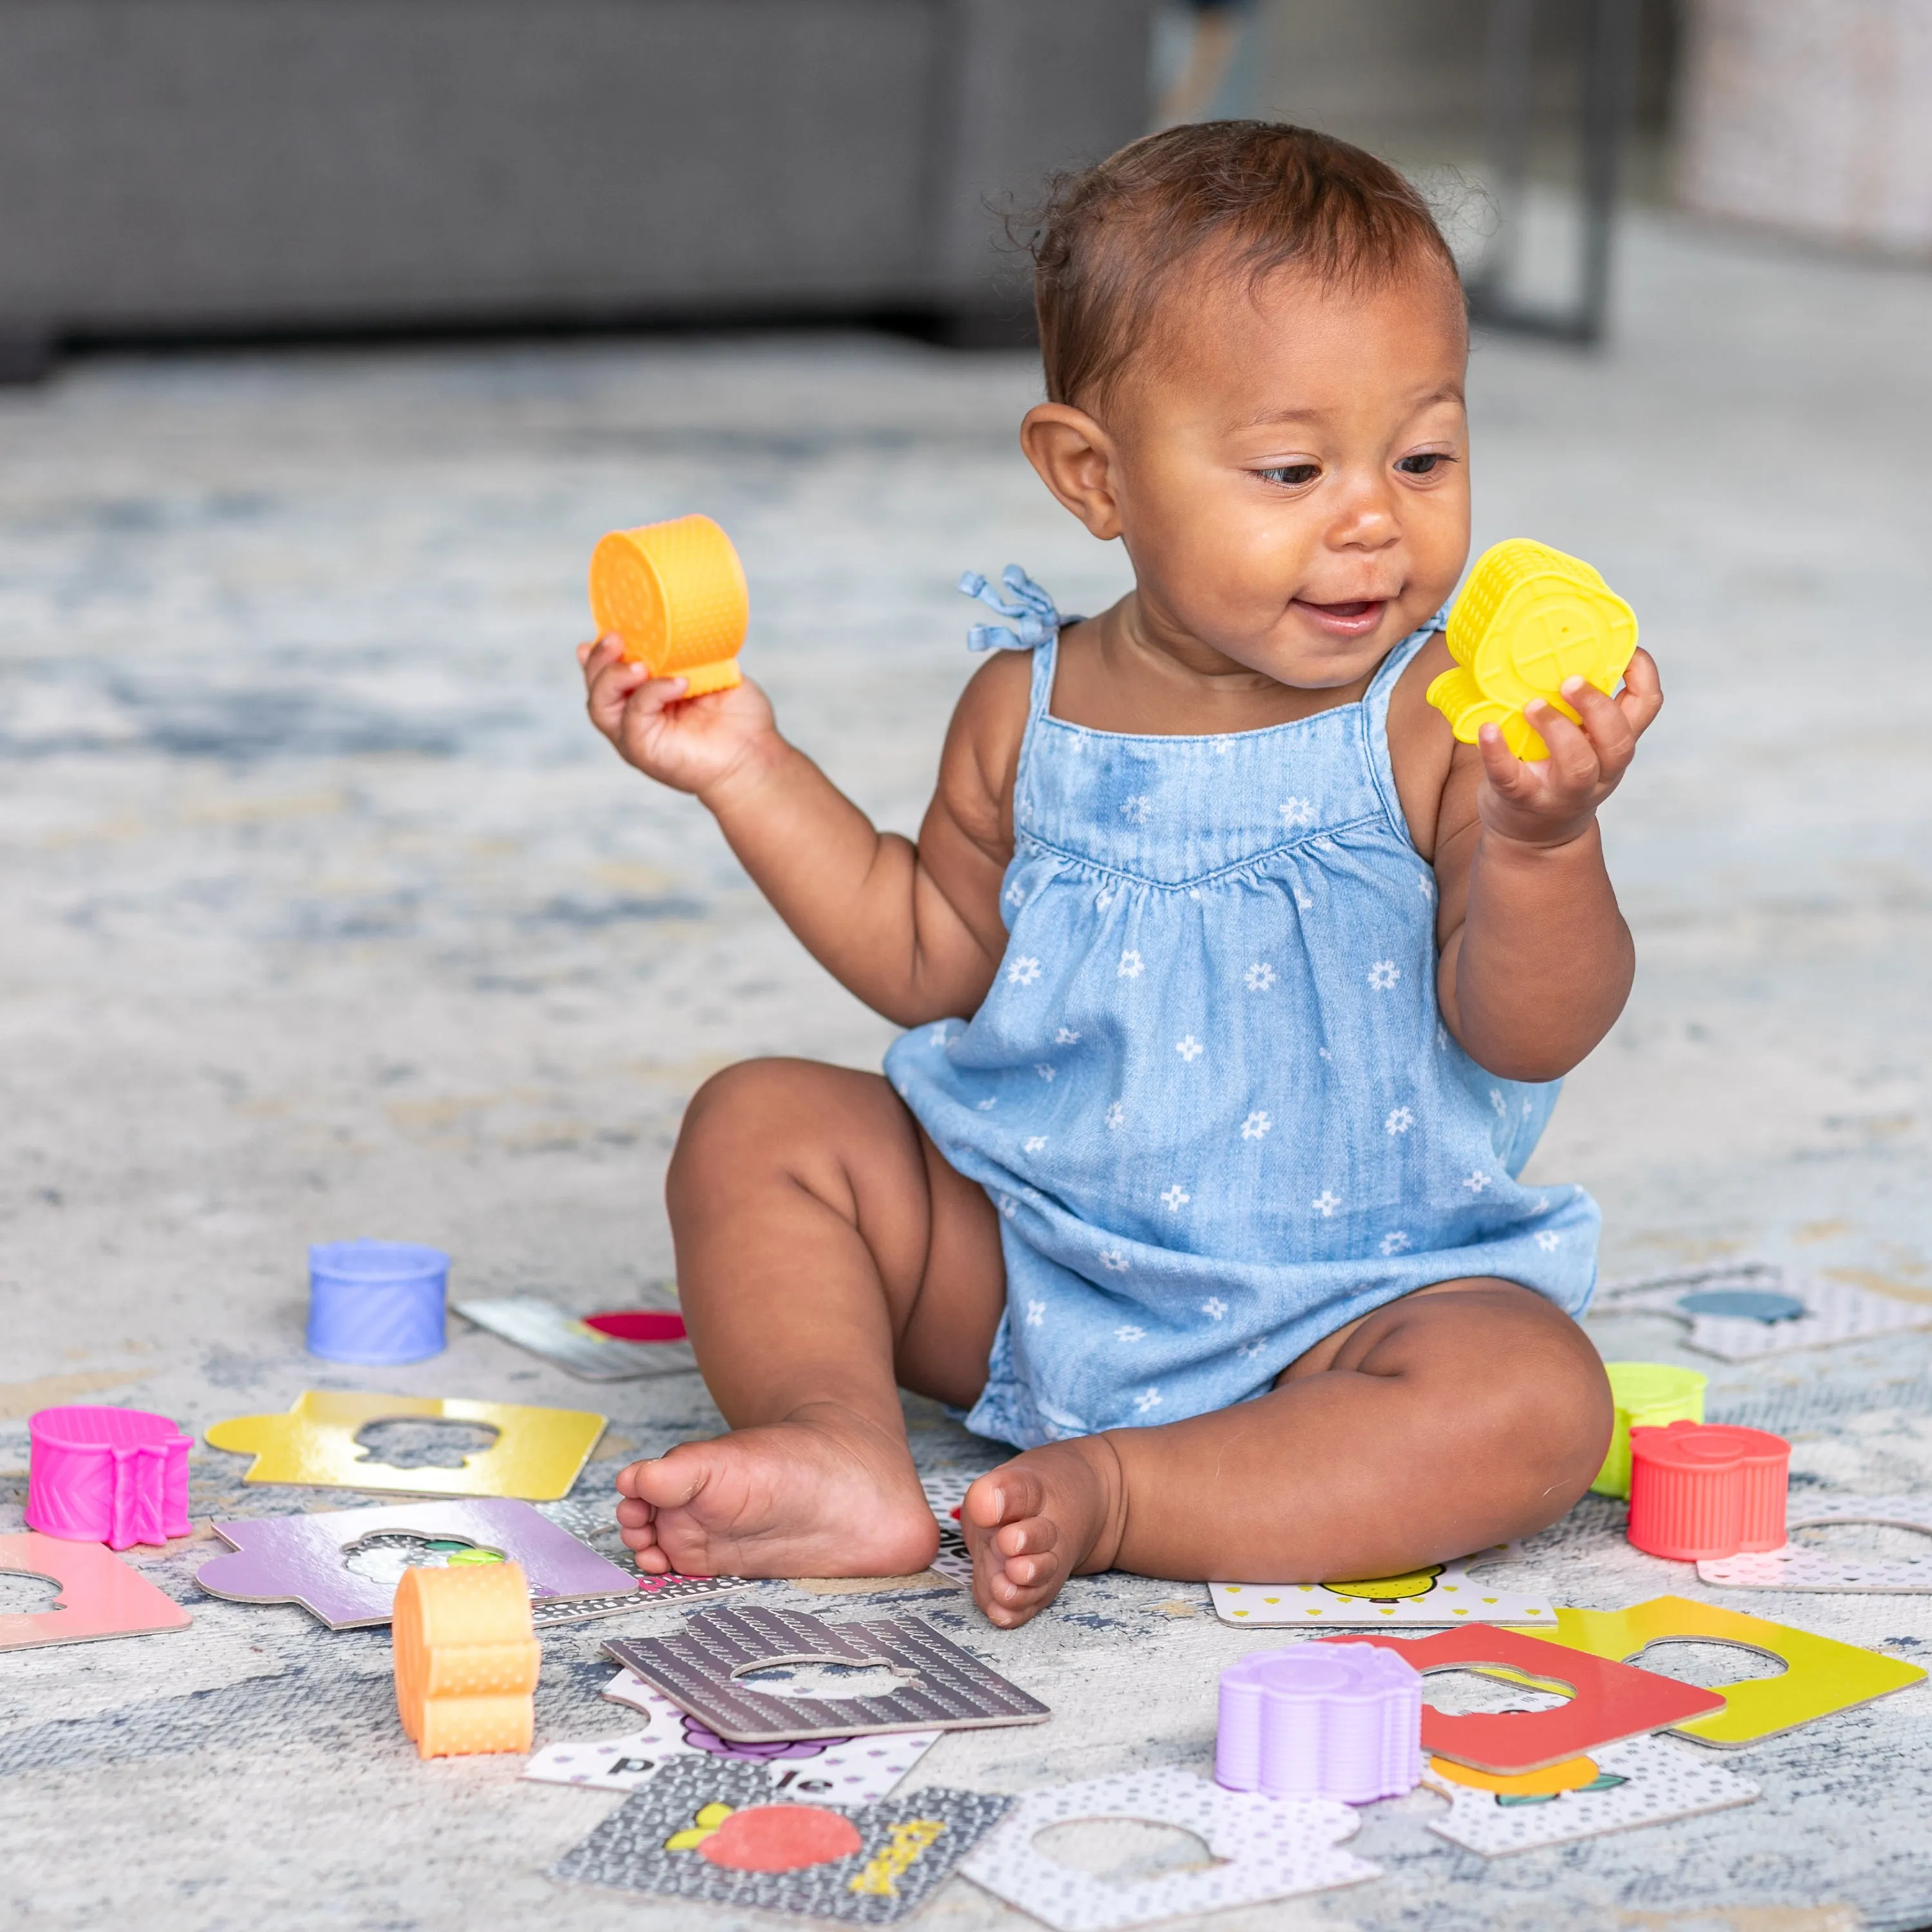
x: 1008, y: 1494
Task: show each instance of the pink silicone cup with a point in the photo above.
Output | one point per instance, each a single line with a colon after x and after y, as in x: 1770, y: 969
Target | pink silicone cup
x: 116, y: 1476
x: 1344, y: 1721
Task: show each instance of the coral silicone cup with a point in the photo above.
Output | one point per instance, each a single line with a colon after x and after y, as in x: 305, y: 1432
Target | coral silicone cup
x: 1529, y: 618
x: 1706, y: 1490
x: 466, y: 1660
x: 1342, y: 1721
x: 116, y: 1476
x: 675, y: 592
x: 1648, y: 1396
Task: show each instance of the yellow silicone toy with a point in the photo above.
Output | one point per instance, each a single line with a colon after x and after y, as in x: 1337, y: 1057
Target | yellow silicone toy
x: 1648, y: 1395
x: 675, y: 592
x: 1821, y: 1675
x: 1529, y: 618
x: 466, y: 1660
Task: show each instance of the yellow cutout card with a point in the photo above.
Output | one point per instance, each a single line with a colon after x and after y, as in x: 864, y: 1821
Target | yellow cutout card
x: 1821, y: 1675
x: 537, y: 1455
x: 1529, y: 618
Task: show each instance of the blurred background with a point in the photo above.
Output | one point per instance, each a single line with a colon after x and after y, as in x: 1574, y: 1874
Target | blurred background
x: 343, y: 328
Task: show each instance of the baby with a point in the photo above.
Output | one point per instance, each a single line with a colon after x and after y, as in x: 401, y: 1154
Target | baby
x: 1238, y: 990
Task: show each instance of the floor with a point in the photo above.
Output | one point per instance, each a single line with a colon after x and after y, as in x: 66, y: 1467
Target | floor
x: 327, y: 915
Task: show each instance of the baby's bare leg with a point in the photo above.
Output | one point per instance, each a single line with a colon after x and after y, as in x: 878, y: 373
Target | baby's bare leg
x: 826, y: 1254
x: 1451, y: 1419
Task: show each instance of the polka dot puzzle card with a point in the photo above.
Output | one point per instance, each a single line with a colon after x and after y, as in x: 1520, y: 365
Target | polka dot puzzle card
x: 1641, y: 1781
x: 1437, y: 1597
x: 708, y: 1830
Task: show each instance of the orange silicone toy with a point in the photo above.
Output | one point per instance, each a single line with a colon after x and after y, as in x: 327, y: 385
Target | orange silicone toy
x: 675, y: 593
x: 466, y: 1660
x: 1529, y: 618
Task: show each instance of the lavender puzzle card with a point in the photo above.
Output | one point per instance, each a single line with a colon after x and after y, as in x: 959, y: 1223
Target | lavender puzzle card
x: 708, y: 1830
x: 344, y: 1565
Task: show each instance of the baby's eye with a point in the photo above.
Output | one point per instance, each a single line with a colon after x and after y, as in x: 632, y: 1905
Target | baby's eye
x: 1426, y: 464
x: 1291, y: 475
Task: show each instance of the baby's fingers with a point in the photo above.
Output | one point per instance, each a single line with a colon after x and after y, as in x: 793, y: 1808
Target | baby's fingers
x: 1511, y: 778
x: 1573, y: 765
x: 1608, y: 730
x: 1641, y: 697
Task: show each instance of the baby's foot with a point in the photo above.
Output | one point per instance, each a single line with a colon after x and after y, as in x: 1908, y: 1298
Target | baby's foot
x: 824, y: 1493
x: 1048, y: 1515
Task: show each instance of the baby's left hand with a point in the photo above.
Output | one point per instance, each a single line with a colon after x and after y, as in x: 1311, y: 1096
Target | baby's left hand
x: 1550, y: 801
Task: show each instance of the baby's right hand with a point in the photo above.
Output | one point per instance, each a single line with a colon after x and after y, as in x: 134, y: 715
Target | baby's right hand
x: 691, y: 745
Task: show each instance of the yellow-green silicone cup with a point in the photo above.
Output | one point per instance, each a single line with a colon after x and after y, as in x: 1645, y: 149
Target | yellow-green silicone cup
x: 1648, y: 1395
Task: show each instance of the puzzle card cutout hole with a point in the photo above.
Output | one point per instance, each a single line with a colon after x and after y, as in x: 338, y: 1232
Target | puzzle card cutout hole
x: 1711, y: 1663
x: 26, y: 1593
x: 827, y: 1679
x: 1468, y: 1692
x: 382, y: 1557
x: 1125, y: 1850
x: 423, y: 1442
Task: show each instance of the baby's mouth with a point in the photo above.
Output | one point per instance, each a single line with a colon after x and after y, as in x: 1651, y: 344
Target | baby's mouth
x: 1353, y: 618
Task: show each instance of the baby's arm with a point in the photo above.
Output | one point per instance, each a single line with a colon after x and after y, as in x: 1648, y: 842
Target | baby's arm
x: 1536, y: 961
x: 914, y: 929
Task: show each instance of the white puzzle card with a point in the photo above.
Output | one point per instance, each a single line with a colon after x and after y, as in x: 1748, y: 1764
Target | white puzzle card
x: 945, y: 1493
x: 1799, y: 1567
x: 843, y: 1772
x: 1437, y: 1597
x: 1617, y: 1787
x: 1749, y: 1309
x: 528, y: 1322
x: 1265, y: 1848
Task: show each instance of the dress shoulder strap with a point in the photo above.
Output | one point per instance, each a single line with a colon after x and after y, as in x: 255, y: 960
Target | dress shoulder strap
x: 1374, y: 713
x: 1037, y: 624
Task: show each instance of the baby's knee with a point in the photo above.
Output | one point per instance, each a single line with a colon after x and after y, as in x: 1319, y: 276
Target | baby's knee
x: 1551, y: 1406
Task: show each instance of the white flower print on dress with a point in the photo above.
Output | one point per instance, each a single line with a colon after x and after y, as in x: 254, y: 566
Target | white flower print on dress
x: 1214, y: 1308
x: 1148, y: 1399
x: 1033, y: 1144
x: 1302, y: 900
x: 1008, y: 1206
x: 1400, y: 1120
x: 1549, y: 1241
x: 1395, y: 1242
x: 1134, y: 809
x: 1189, y: 1048
x: 1016, y: 894
x: 1035, y: 1314
x: 1067, y: 1036
x: 1131, y: 965
x: 1175, y: 1198
x: 1251, y: 1349
x: 1325, y: 1203
x: 1022, y: 971
x: 986, y: 1106
x: 1476, y: 1182
x: 900, y: 1087
x: 1497, y: 1101
x: 1260, y: 976
x: 1256, y: 1126
x: 1296, y: 812
x: 940, y: 1036
x: 1383, y: 975
x: 1113, y: 1261
x: 1117, y: 1115
x: 1127, y: 1332
x: 1046, y: 1071
x: 1103, y: 899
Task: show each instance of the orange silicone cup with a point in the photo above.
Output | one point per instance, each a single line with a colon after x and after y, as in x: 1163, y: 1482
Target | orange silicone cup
x: 466, y: 1660
x: 675, y: 592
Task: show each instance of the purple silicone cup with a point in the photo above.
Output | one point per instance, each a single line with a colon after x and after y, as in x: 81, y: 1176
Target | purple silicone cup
x: 116, y: 1476
x: 1340, y: 1720
x: 375, y: 1302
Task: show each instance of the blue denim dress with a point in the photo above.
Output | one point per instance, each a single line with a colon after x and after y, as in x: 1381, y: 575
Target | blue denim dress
x: 1210, y: 1092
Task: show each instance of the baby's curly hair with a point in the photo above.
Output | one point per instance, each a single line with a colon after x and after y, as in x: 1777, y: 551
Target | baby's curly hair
x: 1260, y: 195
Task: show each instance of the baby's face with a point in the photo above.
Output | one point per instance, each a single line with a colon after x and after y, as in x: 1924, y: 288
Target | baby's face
x: 1291, y: 472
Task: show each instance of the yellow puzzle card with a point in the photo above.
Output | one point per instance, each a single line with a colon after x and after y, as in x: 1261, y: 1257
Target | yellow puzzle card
x: 537, y: 1454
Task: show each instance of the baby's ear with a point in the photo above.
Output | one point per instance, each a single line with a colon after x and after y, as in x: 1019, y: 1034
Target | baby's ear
x: 1075, y: 457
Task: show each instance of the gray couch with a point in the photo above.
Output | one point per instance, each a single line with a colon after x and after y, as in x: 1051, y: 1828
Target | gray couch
x: 209, y: 167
